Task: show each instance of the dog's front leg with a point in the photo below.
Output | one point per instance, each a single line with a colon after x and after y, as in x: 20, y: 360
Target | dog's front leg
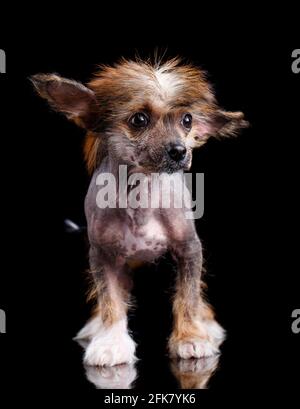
x: 109, y: 341
x: 195, y: 332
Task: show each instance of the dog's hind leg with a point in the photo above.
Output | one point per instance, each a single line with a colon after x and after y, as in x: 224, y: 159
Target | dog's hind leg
x: 195, y: 333
x: 109, y: 342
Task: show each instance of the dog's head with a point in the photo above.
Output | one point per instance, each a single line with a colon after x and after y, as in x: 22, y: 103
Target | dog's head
x: 151, y: 116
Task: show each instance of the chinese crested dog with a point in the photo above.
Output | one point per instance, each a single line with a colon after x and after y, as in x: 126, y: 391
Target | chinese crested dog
x: 149, y: 117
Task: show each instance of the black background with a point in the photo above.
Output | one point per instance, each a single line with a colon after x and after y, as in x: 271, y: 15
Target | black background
x: 249, y: 228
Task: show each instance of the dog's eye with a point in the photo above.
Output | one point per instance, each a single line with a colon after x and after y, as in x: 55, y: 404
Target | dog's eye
x: 139, y: 120
x: 187, y: 121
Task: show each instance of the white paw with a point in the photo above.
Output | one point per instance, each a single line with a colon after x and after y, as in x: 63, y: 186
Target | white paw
x: 107, y: 346
x: 116, y: 377
x: 104, y: 350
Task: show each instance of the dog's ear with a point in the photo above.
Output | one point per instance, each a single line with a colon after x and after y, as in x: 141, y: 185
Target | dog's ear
x: 216, y: 123
x: 226, y: 123
x: 72, y: 98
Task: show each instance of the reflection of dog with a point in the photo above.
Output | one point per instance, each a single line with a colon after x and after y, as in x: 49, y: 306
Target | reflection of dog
x: 114, y: 377
x: 194, y: 373
x: 148, y: 117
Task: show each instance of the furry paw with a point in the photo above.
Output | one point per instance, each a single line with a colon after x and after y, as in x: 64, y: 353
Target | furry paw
x: 198, y: 347
x: 192, y: 348
x: 104, y: 350
x: 107, y: 346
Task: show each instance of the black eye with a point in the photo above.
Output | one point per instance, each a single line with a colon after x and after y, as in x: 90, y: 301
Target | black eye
x: 139, y: 120
x: 187, y: 121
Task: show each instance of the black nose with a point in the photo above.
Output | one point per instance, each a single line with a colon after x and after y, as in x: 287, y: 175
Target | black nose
x: 176, y: 151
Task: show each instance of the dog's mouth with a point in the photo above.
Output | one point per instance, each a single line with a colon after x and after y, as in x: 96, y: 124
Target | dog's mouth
x: 172, y: 166
x: 166, y: 166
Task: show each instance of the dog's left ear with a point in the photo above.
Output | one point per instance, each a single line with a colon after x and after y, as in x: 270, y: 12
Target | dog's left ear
x: 72, y: 98
x: 217, y: 123
x: 226, y: 123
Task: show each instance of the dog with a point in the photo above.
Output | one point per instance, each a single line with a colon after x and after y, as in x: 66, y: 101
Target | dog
x: 149, y: 117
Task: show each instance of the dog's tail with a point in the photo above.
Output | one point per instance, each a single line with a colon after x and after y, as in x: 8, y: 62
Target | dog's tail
x: 72, y: 227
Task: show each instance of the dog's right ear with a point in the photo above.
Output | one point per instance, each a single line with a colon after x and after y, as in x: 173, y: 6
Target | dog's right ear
x: 72, y: 98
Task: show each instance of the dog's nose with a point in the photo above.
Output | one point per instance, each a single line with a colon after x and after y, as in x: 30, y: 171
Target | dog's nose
x: 176, y: 151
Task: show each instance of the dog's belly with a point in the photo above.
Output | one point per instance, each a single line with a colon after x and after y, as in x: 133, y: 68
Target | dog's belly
x: 145, y: 243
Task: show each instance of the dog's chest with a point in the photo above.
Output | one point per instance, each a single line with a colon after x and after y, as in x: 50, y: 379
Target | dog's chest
x: 144, y: 237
